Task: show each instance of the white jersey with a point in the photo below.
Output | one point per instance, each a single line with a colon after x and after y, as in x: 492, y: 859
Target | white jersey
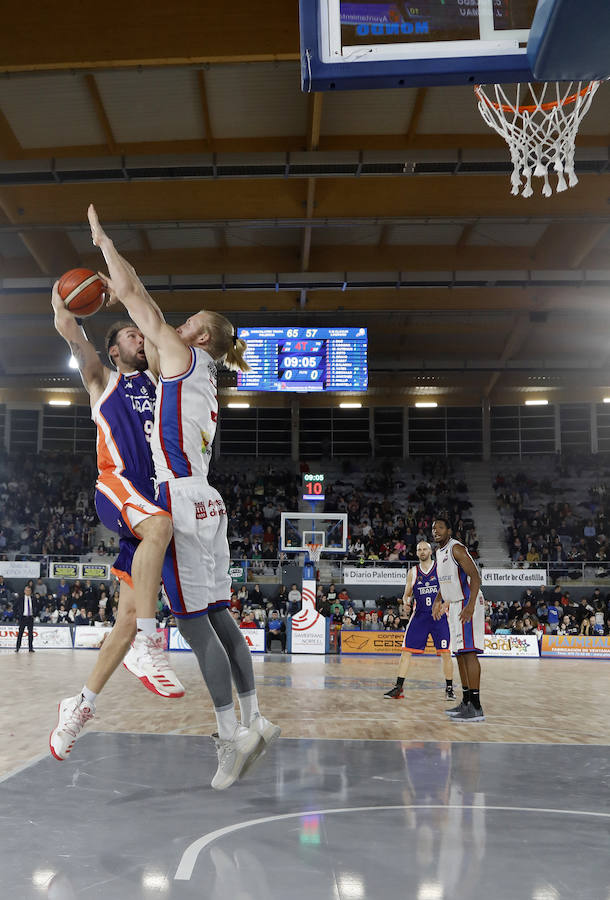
x: 453, y: 583
x: 186, y: 413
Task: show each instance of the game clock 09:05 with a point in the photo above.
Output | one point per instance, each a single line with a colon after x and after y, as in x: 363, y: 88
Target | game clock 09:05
x: 304, y: 359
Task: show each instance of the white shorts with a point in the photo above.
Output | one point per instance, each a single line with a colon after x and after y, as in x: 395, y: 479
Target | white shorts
x: 467, y: 637
x: 196, y: 569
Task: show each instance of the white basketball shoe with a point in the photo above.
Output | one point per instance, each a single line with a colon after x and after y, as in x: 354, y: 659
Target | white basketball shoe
x: 73, y: 714
x: 147, y: 660
x: 269, y: 733
x: 233, y: 755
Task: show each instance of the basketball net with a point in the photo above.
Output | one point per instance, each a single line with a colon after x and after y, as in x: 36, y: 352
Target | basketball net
x: 540, y: 128
x: 314, y: 551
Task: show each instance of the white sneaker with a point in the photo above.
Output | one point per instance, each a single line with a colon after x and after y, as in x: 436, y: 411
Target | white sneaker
x: 269, y: 733
x: 146, y: 660
x: 73, y: 714
x: 233, y: 755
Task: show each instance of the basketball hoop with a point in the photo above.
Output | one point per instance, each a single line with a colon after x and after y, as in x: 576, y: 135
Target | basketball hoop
x: 314, y: 551
x: 541, y: 133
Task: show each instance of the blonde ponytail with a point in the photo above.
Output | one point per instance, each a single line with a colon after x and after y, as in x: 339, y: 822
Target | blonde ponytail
x: 225, y: 346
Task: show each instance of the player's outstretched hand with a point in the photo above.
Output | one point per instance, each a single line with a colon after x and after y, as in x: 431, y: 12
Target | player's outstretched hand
x: 467, y: 613
x: 98, y: 235
x: 62, y: 313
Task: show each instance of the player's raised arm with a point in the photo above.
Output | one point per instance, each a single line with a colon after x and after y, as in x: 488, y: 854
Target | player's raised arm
x: 463, y: 558
x: 124, y: 285
x: 92, y: 371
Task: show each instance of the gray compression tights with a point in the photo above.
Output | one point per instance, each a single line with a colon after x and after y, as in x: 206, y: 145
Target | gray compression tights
x: 236, y: 648
x: 211, y: 656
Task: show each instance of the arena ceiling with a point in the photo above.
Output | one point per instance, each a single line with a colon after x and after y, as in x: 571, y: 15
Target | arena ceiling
x: 228, y: 188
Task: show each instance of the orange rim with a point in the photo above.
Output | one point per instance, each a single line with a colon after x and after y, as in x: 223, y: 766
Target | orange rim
x: 530, y: 109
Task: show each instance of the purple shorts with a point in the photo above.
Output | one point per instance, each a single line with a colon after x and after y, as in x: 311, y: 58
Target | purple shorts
x: 418, y: 629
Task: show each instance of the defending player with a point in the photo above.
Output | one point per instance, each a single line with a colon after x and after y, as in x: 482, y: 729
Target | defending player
x: 422, y: 588
x: 122, y: 407
x: 196, y: 576
x: 459, y: 595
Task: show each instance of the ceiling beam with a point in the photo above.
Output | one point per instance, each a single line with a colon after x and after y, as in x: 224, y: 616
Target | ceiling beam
x: 52, y: 251
x: 418, y: 108
x: 150, y: 33
x: 10, y: 148
x: 205, y: 110
x: 314, y: 122
x: 569, y: 242
x: 100, y: 112
x: 515, y: 340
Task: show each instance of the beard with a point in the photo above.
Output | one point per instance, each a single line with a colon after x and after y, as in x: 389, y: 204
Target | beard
x: 135, y: 362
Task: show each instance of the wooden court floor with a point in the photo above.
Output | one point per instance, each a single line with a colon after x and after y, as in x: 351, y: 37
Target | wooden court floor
x: 525, y: 701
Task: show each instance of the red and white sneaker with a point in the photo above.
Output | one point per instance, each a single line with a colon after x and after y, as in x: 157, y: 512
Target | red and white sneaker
x: 73, y: 714
x: 146, y: 660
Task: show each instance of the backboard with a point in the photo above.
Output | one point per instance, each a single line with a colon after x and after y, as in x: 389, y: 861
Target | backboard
x: 299, y: 529
x: 358, y: 44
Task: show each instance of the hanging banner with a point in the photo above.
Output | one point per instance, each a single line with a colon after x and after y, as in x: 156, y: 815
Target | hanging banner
x: 13, y: 568
x: 308, y: 626
x: 518, y: 577
x: 375, y: 575
x: 86, y: 571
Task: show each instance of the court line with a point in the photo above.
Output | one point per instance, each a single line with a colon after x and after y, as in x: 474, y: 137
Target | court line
x: 190, y: 855
x: 24, y: 766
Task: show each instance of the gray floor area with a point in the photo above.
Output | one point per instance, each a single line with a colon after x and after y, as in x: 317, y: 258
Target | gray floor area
x: 133, y: 816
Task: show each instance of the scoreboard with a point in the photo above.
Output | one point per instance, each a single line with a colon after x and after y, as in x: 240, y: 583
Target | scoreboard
x: 304, y: 359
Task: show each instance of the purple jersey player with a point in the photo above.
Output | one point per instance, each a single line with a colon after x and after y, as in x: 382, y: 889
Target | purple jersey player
x: 421, y: 589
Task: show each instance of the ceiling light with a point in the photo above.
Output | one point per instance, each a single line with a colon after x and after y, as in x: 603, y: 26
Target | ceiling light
x: 350, y: 405
x: 72, y: 362
x: 238, y: 405
x: 606, y: 399
x: 425, y: 404
x: 60, y: 403
x: 536, y: 402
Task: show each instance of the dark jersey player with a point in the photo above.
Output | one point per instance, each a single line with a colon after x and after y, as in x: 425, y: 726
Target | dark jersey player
x: 422, y: 588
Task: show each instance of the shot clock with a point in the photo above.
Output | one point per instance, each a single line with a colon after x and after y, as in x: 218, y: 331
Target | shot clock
x: 313, y: 486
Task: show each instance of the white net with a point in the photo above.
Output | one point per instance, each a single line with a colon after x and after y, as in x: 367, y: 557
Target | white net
x: 540, y: 128
x: 314, y: 551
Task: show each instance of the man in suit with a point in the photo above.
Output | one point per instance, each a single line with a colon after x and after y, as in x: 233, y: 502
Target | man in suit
x: 25, y: 615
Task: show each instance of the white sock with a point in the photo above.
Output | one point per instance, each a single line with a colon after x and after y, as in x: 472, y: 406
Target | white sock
x: 248, y: 704
x: 227, y: 722
x: 89, y: 696
x: 147, y: 626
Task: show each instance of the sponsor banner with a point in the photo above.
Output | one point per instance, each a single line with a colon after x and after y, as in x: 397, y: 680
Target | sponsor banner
x: 518, y: 577
x: 95, y: 571
x: 236, y: 574
x: 91, y: 571
x: 90, y: 637
x: 520, y: 645
x: 255, y: 639
x: 20, y: 569
x: 64, y: 570
x: 52, y: 637
x: 372, y: 641
x: 375, y: 575
x: 308, y: 626
x: 578, y: 646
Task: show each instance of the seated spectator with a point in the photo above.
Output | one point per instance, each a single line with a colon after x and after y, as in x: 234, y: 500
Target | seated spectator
x: 236, y: 615
x: 256, y: 597
x: 552, y: 618
x: 62, y: 615
x: 248, y: 620
x: 276, y: 630
x: 294, y: 600
x: 62, y: 589
x: 81, y: 617
x: 376, y: 625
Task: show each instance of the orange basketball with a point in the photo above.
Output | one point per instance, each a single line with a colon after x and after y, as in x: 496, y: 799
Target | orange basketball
x: 82, y: 291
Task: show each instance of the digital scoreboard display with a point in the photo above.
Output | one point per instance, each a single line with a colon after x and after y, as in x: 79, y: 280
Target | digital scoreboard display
x: 374, y: 22
x: 304, y: 359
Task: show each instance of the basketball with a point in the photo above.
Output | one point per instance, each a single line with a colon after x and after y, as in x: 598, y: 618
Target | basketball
x: 82, y: 292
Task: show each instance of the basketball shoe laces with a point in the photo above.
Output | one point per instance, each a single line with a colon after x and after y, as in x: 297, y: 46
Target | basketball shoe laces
x: 77, y: 720
x: 154, y: 649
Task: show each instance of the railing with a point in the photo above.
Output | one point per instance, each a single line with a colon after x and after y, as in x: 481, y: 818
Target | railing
x: 332, y: 567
